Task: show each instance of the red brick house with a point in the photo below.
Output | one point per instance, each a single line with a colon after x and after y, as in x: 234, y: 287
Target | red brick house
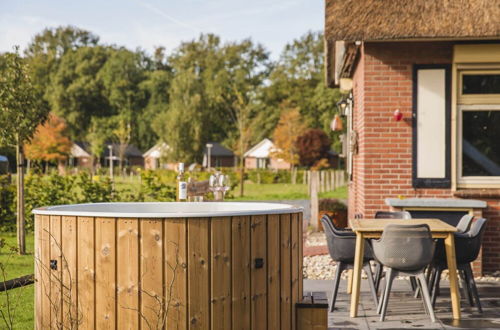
x: 437, y: 63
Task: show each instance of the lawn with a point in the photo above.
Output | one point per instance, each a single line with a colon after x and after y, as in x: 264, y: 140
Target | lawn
x: 21, y: 299
x: 283, y: 191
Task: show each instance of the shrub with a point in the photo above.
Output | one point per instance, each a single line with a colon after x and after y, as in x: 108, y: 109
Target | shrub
x: 331, y: 204
x: 312, y: 146
x: 7, y: 204
x: 153, y: 189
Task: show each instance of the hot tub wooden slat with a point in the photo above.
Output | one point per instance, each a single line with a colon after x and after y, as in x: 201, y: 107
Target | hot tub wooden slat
x: 128, y: 273
x: 241, y: 272
x: 258, y: 276
x: 39, y: 315
x: 69, y: 272
x: 105, y: 278
x: 56, y: 276
x: 286, y: 276
x: 295, y: 263
x: 45, y: 270
x: 86, y: 271
x: 273, y: 271
x: 176, y: 268
x: 152, y: 272
x: 205, y: 271
x: 300, y: 256
x: 220, y: 273
x: 199, y: 273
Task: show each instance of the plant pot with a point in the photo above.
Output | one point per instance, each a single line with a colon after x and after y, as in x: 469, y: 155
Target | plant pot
x: 339, y: 218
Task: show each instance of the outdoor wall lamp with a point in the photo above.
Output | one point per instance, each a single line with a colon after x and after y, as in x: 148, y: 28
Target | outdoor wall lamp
x: 398, y: 115
x: 342, y: 106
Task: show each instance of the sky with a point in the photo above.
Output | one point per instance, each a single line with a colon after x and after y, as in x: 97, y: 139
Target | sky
x: 151, y: 23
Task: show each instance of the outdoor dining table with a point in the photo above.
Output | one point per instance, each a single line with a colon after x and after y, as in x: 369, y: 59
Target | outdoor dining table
x: 373, y: 228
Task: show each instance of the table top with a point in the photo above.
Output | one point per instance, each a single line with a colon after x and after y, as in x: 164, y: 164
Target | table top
x: 377, y: 225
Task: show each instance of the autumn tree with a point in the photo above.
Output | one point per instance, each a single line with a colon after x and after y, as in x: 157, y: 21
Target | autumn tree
x: 289, y: 128
x: 313, y: 146
x: 21, y: 111
x: 50, y: 142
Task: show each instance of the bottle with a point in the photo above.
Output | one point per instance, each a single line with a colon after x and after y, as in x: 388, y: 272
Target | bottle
x: 181, y: 184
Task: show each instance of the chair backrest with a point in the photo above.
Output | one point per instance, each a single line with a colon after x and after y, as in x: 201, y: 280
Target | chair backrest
x: 468, y: 245
x: 464, y: 223
x: 393, y: 215
x: 405, y: 247
x: 341, y: 244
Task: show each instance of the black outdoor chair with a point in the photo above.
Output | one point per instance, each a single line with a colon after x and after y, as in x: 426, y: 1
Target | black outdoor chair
x: 407, y: 250
x: 467, y: 247
x: 393, y: 215
x: 342, y: 246
x: 404, y: 215
x: 465, y: 223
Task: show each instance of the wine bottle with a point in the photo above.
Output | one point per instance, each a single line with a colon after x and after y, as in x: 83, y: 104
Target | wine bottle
x: 181, y: 184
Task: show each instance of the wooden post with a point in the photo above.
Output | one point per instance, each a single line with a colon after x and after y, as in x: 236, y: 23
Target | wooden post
x: 314, y: 199
x: 21, y: 243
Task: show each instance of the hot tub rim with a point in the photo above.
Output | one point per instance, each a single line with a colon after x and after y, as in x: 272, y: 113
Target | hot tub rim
x: 282, y: 209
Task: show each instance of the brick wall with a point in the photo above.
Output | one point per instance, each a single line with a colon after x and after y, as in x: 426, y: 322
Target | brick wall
x: 382, y: 168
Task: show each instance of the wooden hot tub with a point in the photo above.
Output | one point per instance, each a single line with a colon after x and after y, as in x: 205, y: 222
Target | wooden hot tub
x: 168, y: 265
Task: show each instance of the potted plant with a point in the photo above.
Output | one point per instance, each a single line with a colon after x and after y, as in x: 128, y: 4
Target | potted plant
x: 335, y: 209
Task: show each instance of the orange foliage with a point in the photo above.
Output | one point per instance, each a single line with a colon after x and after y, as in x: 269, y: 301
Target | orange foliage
x: 50, y: 142
x: 289, y: 128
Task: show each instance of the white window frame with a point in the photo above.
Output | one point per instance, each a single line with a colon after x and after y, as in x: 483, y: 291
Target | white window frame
x: 473, y: 181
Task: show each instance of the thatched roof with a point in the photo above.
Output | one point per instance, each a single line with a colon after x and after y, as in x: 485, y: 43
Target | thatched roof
x: 367, y: 20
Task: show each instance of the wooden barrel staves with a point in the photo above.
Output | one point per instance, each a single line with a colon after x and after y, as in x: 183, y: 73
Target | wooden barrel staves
x: 228, y: 272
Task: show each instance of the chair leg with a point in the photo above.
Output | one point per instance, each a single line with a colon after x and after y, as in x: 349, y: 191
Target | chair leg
x: 413, y: 283
x: 389, y: 277
x: 466, y: 286
x: 419, y: 289
x: 472, y: 284
x: 378, y: 274
x: 340, y: 268
x: 371, y: 283
x: 435, y: 289
x: 427, y: 298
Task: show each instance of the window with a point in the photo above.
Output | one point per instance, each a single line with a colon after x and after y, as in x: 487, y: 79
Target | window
x: 431, y: 126
x: 479, y: 147
x: 479, y: 128
x: 480, y: 84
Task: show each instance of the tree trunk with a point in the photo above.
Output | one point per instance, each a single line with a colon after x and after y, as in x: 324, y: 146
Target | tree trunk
x: 21, y: 237
x: 242, y: 177
x: 61, y: 167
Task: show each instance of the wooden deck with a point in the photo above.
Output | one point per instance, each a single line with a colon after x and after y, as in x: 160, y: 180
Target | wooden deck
x: 406, y: 312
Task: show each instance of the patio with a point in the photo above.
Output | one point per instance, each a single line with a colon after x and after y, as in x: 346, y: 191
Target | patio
x: 406, y: 312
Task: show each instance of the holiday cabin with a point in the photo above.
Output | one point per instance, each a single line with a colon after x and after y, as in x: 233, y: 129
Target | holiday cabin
x: 421, y: 81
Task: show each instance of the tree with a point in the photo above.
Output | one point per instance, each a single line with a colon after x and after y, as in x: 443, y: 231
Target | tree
x: 76, y: 93
x: 20, y: 114
x: 50, y: 142
x: 99, y: 132
x: 313, y: 146
x: 122, y: 132
x: 289, y: 128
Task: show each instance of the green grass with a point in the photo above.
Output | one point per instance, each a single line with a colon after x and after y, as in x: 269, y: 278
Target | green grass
x: 282, y: 191
x: 21, y: 300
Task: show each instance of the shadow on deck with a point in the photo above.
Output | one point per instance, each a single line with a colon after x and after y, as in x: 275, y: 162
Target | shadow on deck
x: 406, y: 312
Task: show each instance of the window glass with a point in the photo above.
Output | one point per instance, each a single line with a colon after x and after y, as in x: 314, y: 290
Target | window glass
x: 481, y: 84
x: 481, y: 143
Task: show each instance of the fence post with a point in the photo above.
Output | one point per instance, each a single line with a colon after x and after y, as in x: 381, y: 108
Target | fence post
x: 314, y: 179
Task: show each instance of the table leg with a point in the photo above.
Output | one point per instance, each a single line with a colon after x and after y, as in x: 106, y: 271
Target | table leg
x: 349, y: 281
x: 356, y: 280
x: 449, y: 243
